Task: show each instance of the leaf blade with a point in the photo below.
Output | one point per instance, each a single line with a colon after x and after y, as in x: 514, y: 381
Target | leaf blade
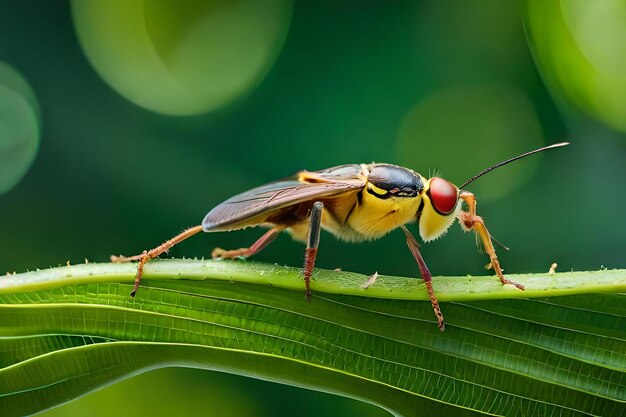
x: 494, y: 359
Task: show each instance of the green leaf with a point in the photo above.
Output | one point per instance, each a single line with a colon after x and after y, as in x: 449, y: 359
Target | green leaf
x: 559, y: 348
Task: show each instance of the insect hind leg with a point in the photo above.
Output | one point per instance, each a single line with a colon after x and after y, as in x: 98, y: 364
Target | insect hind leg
x: 146, y: 256
x: 258, y: 246
x: 469, y: 220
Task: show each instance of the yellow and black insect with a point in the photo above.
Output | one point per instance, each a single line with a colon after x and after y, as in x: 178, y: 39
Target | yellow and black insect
x: 355, y: 203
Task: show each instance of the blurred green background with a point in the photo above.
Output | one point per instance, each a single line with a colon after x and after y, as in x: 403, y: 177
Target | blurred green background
x: 123, y: 122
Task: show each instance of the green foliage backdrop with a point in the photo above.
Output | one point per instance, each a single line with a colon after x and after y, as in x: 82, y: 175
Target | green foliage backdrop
x: 110, y: 146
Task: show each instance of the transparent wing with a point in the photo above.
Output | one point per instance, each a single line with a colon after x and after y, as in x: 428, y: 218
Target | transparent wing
x: 242, y: 209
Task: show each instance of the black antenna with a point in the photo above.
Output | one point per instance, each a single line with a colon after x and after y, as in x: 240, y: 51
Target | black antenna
x: 480, y: 174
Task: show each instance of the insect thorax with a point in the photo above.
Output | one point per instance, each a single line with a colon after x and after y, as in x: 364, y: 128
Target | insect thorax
x: 390, y: 198
x: 394, y: 180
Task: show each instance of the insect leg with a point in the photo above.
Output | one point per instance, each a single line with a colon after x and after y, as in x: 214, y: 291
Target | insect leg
x: 470, y: 221
x: 426, y: 276
x: 315, y: 226
x: 256, y: 247
x: 153, y: 253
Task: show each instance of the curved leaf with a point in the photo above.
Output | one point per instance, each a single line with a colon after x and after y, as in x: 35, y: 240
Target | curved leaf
x: 69, y: 330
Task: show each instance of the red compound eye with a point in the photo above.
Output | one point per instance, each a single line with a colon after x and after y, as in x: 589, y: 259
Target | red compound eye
x: 443, y: 195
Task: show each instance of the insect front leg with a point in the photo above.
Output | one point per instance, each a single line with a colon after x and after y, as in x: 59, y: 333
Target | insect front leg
x: 470, y: 221
x: 426, y: 275
x: 256, y: 247
x: 313, y: 241
x: 153, y: 253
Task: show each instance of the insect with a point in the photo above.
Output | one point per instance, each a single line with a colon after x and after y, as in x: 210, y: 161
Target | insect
x: 353, y: 202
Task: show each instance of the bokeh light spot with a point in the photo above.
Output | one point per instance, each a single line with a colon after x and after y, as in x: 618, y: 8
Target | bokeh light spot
x: 596, y: 28
x: 11, y: 78
x: 457, y: 133
x: 580, y: 49
x: 182, y: 60
x: 19, y: 137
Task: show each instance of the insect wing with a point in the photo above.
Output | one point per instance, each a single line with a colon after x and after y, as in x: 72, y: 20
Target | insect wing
x: 237, y: 211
